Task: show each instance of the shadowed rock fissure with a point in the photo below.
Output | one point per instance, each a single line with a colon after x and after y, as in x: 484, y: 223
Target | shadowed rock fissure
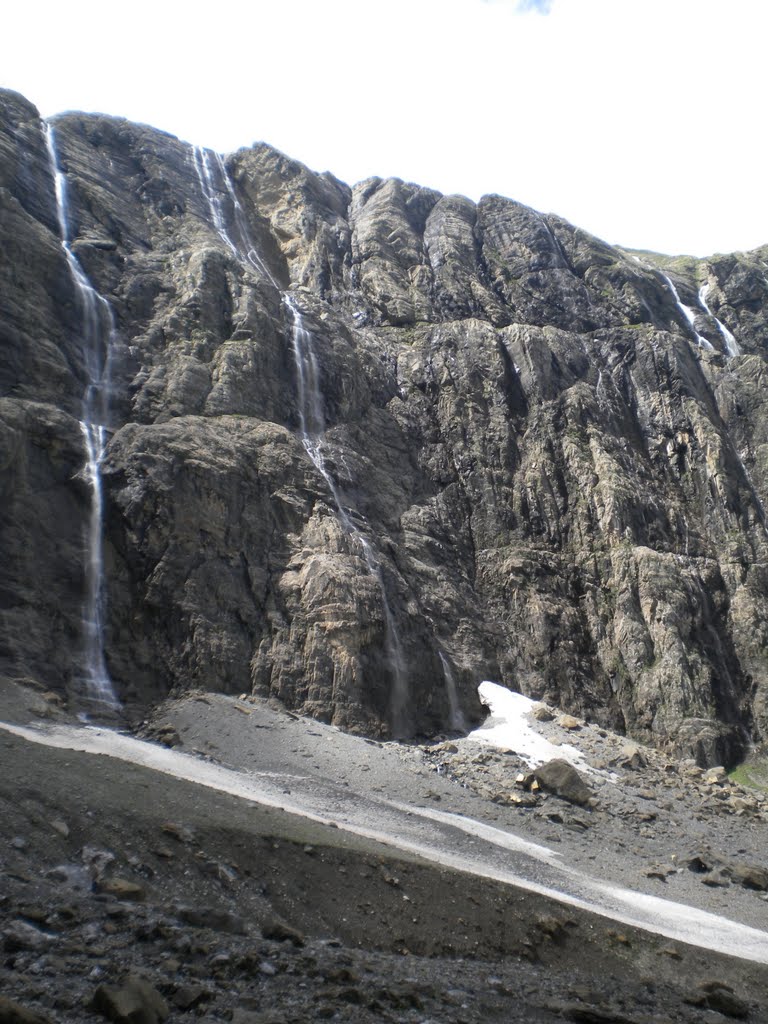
x: 370, y: 446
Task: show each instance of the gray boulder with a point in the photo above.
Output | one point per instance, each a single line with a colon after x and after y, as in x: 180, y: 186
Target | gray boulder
x: 560, y: 778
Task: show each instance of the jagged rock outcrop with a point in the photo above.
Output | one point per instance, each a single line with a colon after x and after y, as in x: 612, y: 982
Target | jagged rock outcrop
x: 535, y: 467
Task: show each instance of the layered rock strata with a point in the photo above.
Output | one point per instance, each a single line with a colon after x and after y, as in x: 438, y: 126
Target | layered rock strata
x: 560, y: 485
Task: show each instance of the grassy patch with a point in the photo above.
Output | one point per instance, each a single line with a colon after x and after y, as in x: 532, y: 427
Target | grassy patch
x: 752, y: 774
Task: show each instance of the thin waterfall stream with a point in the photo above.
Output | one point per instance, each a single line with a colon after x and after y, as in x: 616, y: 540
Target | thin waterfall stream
x: 98, y: 327
x: 456, y: 719
x: 731, y: 345
x: 312, y: 426
x: 311, y: 409
x: 688, y: 313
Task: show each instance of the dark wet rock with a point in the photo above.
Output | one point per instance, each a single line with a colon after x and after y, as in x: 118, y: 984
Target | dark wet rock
x: 560, y: 778
x: 96, y: 861
x: 751, y: 876
x: 582, y: 1014
x: 719, y: 996
x: 661, y: 872
x: 181, y: 833
x: 12, y: 1012
x: 633, y: 758
x: 168, y: 736
x: 279, y: 931
x: 133, y: 1001
x: 21, y: 935
x: 719, y: 870
x: 242, y: 1015
x: 121, y: 888
x: 187, y: 997
x: 701, y: 863
x: 717, y: 879
x: 211, y: 917
x: 542, y: 713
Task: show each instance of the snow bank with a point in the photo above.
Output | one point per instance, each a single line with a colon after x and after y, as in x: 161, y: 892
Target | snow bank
x: 510, y: 726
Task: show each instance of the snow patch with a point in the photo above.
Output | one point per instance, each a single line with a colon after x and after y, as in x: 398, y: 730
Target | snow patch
x: 510, y: 726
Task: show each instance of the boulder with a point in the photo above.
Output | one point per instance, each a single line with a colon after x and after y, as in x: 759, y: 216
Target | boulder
x: 560, y: 778
x: 719, y: 996
x: 750, y: 876
x: 133, y: 1001
x: 12, y: 1012
x: 20, y: 935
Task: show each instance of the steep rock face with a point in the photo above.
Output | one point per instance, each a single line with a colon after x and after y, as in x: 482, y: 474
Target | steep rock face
x: 532, y: 467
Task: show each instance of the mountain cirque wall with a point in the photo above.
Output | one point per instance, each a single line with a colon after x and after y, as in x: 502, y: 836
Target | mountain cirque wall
x: 546, y: 478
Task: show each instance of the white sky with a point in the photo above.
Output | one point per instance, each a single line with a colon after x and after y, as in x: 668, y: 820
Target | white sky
x: 639, y: 120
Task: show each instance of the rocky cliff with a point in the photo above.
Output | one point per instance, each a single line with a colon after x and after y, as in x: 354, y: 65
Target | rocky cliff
x: 369, y: 446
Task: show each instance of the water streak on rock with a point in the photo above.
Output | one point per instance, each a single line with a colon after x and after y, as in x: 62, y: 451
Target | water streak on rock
x: 689, y: 315
x: 456, y: 719
x: 98, y: 331
x: 219, y: 196
x: 312, y: 426
x: 731, y: 345
x: 311, y: 410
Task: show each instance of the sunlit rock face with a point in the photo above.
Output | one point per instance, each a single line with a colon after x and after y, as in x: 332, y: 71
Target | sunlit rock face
x: 560, y: 486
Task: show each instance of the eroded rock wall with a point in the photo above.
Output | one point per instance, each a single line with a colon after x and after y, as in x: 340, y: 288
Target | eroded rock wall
x: 560, y: 486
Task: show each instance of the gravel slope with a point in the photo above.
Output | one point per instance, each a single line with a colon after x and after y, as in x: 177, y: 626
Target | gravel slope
x: 384, y: 935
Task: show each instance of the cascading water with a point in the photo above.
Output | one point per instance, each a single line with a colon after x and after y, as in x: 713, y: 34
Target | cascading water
x: 246, y: 252
x: 98, y: 325
x: 312, y: 426
x: 456, y: 719
x: 689, y: 315
x: 731, y: 345
x: 311, y: 409
x: 213, y: 196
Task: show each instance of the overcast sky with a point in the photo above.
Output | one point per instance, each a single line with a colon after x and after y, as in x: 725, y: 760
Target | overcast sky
x: 642, y: 121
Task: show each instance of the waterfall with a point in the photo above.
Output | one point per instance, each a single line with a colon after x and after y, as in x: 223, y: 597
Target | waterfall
x: 312, y: 426
x: 214, y: 196
x: 689, y: 315
x: 98, y: 327
x: 600, y: 392
x: 456, y: 719
x: 731, y: 345
x: 311, y: 407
